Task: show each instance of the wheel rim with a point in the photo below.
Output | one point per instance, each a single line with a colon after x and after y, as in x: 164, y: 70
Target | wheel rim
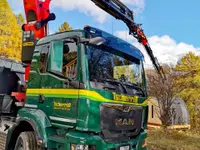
x: 20, y: 145
x: 20, y: 148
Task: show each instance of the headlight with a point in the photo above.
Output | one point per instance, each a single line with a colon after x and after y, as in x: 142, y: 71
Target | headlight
x: 82, y: 147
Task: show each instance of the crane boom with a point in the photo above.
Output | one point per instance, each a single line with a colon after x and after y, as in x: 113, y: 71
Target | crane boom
x: 118, y: 10
x: 38, y: 15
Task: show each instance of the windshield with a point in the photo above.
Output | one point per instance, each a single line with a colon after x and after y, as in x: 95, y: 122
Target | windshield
x: 108, y: 71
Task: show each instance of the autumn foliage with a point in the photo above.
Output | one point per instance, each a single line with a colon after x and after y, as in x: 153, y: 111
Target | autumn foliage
x: 188, y: 80
x: 64, y: 27
x: 183, y: 80
x: 10, y: 32
x: 164, y: 91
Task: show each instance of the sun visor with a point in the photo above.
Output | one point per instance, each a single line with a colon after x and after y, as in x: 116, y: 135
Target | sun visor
x: 115, y: 43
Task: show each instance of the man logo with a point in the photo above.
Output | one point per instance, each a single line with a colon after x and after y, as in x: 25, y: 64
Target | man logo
x: 126, y: 109
x: 124, y: 122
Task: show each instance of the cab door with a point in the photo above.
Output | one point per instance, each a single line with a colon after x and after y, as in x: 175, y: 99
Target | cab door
x: 57, y: 98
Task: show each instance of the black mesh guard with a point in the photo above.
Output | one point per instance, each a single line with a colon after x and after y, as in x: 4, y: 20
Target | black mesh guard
x: 117, y: 9
x: 120, y: 122
x: 28, y: 46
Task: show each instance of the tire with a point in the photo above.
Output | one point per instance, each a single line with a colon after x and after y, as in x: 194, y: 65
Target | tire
x: 26, y: 141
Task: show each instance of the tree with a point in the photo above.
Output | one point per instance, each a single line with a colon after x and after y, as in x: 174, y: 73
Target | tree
x: 10, y: 35
x: 164, y: 91
x: 188, y: 80
x: 64, y: 27
x: 20, y: 19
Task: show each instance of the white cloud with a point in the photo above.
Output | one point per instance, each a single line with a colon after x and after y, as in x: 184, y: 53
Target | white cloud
x: 84, y: 6
x: 89, y: 8
x: 125, y: 35
x: 166, y: 49
x: 137, y: 4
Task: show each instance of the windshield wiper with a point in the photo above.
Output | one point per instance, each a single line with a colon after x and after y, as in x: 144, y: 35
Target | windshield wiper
x: 124, y: 84
x: 115, y: 81
x: 135, y: 86
x: 110, y: 88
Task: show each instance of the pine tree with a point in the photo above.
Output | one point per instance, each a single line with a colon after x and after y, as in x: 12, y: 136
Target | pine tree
x: 64, y: 27
x: 10, y: 34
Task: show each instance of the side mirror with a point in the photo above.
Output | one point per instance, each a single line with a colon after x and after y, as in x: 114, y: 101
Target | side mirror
x: 56, y: 56
x: 97, y: 41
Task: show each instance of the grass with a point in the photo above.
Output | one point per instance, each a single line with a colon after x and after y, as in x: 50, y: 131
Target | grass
x: 173, y: 140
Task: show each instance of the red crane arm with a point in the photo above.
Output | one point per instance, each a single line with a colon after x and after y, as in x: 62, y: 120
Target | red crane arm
x: 118, y: 10
x: 37, y: 16
x: 138, y: 33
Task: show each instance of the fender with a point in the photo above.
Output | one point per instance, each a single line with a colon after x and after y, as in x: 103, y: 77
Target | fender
x: 38, y: 121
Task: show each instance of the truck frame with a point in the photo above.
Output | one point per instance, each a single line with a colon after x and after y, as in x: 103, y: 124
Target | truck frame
x: 82, y: 89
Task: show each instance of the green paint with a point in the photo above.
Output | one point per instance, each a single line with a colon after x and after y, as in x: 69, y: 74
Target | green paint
x: 93, y: 98
x: 85, y: 110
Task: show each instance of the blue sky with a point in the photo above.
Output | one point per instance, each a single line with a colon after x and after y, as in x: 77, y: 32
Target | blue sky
x: 176, y: 18
x: 172, y: 26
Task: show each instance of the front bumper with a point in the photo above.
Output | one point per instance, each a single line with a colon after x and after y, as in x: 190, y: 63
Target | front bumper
x: 77, y: 138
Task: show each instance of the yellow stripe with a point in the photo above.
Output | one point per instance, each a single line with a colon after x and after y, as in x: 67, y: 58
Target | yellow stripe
x: 76, y: 92
x: 28, y: 44
x: 52, y: 91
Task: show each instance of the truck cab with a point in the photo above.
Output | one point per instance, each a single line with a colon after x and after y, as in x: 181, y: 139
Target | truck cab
x: 86, y: 91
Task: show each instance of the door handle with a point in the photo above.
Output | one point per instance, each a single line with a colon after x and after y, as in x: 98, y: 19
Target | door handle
x: 41, y: 98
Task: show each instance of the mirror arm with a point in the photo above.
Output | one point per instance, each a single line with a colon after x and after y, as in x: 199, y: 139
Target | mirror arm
x: 84, y: 40
x: 76, y: 38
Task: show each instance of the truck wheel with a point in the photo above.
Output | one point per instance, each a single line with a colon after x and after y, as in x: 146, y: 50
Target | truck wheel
x: 27, y: 141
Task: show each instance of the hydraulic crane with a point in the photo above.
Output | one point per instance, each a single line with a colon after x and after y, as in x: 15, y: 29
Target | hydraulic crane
x: 38, y: 15
x: 82, y: 102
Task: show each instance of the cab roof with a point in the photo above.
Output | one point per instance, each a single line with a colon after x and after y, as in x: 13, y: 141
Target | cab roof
x: 115, y: 42
x: 111, y: 40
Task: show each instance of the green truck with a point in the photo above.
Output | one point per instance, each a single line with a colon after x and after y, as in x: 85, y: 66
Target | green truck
x: 75, y: 90
x: 75, y: 98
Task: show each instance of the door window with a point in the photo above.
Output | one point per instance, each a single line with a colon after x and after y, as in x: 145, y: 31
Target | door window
x: 43, y: 58
x: 70, y: 60
x: 68, y: 56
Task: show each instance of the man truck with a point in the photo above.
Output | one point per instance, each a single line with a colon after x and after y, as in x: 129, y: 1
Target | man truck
x: 75, y: 90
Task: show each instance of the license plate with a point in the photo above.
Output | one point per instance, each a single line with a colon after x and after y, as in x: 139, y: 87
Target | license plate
x: 124, y: 148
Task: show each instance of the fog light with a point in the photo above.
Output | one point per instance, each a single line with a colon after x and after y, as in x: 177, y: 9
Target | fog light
x: 82, y: 147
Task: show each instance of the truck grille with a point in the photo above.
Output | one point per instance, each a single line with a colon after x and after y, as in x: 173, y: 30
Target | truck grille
x: 120, y: 122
